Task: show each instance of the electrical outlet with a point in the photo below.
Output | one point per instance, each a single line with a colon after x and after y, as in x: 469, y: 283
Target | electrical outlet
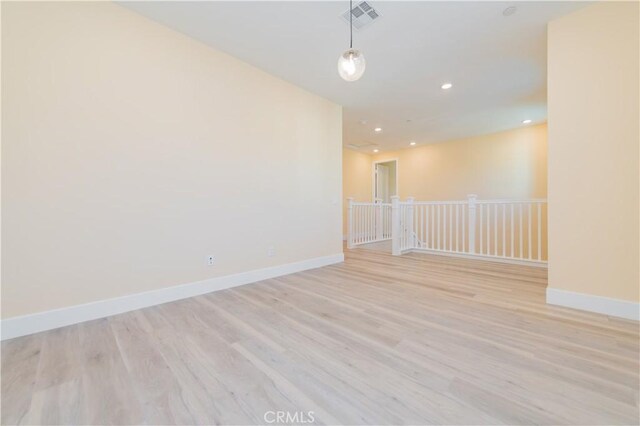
x: 271, y: 251
x: 210, y: 260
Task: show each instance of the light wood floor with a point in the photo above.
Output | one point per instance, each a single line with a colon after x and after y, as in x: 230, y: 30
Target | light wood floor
x: 377, y: 340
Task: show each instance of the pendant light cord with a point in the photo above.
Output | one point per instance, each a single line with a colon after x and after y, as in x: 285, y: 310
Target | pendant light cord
x: 350, y: 24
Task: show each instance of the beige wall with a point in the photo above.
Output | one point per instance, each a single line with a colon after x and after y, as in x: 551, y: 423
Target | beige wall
x: 131, y: 152
x: 593, y: 151
x: 510, y: 164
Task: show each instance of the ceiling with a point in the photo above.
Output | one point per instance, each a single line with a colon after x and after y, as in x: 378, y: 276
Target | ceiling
x: 496, y: 63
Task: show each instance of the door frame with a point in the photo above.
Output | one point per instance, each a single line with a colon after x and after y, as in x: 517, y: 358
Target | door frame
x: 373, y: 175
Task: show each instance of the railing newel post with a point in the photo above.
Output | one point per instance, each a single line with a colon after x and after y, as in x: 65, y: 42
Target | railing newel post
x: 378, y: 207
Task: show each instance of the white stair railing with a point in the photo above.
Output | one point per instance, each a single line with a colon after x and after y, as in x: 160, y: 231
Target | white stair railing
x: 368, y: 222
x: 508, y: 230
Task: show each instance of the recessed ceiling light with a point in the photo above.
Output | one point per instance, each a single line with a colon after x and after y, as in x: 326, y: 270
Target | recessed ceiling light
x: 412, y: 143
x: 527, y: 121
x: 377, y: 129
x: 446, y: 86
x: 376, y: 150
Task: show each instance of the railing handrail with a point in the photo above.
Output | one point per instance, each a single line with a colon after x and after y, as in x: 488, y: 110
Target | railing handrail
x: 500, y: 201
x: 372, y: 204
x: 434, y: 202
x: 514, y: 201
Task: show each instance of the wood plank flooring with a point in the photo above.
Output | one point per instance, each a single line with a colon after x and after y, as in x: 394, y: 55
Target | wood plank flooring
x: 416, y: 339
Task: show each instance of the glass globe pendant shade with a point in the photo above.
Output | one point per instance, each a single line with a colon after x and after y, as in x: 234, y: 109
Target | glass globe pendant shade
x: 351, y: 65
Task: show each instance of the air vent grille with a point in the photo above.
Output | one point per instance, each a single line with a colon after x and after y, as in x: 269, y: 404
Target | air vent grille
x: 363, y: 15
x: 362, y: 145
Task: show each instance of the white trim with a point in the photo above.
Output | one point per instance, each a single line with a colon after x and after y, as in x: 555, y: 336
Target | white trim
x: 373, y: 175
x: 587, y: 302
x: 48, y: 320
x: 525, y: 262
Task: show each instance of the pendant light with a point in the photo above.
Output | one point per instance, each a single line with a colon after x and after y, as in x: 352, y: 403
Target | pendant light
x: 351, y: 63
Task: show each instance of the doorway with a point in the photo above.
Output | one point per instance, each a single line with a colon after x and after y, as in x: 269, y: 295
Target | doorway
x: 385, y: 180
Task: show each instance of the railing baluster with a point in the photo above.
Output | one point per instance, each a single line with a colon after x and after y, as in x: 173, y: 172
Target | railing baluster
x: 357, y: 224
x: 368, y: 214
x: 512, y: 231
x: 383, y: 221
x: 438, y: 227
x: 372, y: 221
x: 363, y: 211
x: 504, y: 233
x: 385, y: 215
x: 374, y: 227
x: 366, y: 223
x: 387, y: 223
x: 372, y: 216
x: 425, y: 219
x: 457, y: 225
x: 495, y: 229
x: 361, y: 223
x: 520, y: 230
x: 406, y: 227
x: 432, y: 212
x: 529, y: 231
x: 444, y: 226
x: 395, y: 225
x: 401, y: 233
x: 363, y: 231
x: 430, y: 218
x: 451, y: 227
x: 421, y: 214
x: 472, y: 209
x: 402, y: 225
x: 465, y: 243
x: 488, y: 229
x: 481, y: 226
x: 539, y: 231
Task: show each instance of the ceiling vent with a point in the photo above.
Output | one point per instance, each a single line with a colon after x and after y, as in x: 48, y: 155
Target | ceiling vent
x: 363, y: 15
x: 362, y: 145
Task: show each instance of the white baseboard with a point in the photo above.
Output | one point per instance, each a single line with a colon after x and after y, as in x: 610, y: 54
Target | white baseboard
x: 523, y: 262
x: 48, y: 320
x: 587, y: 302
